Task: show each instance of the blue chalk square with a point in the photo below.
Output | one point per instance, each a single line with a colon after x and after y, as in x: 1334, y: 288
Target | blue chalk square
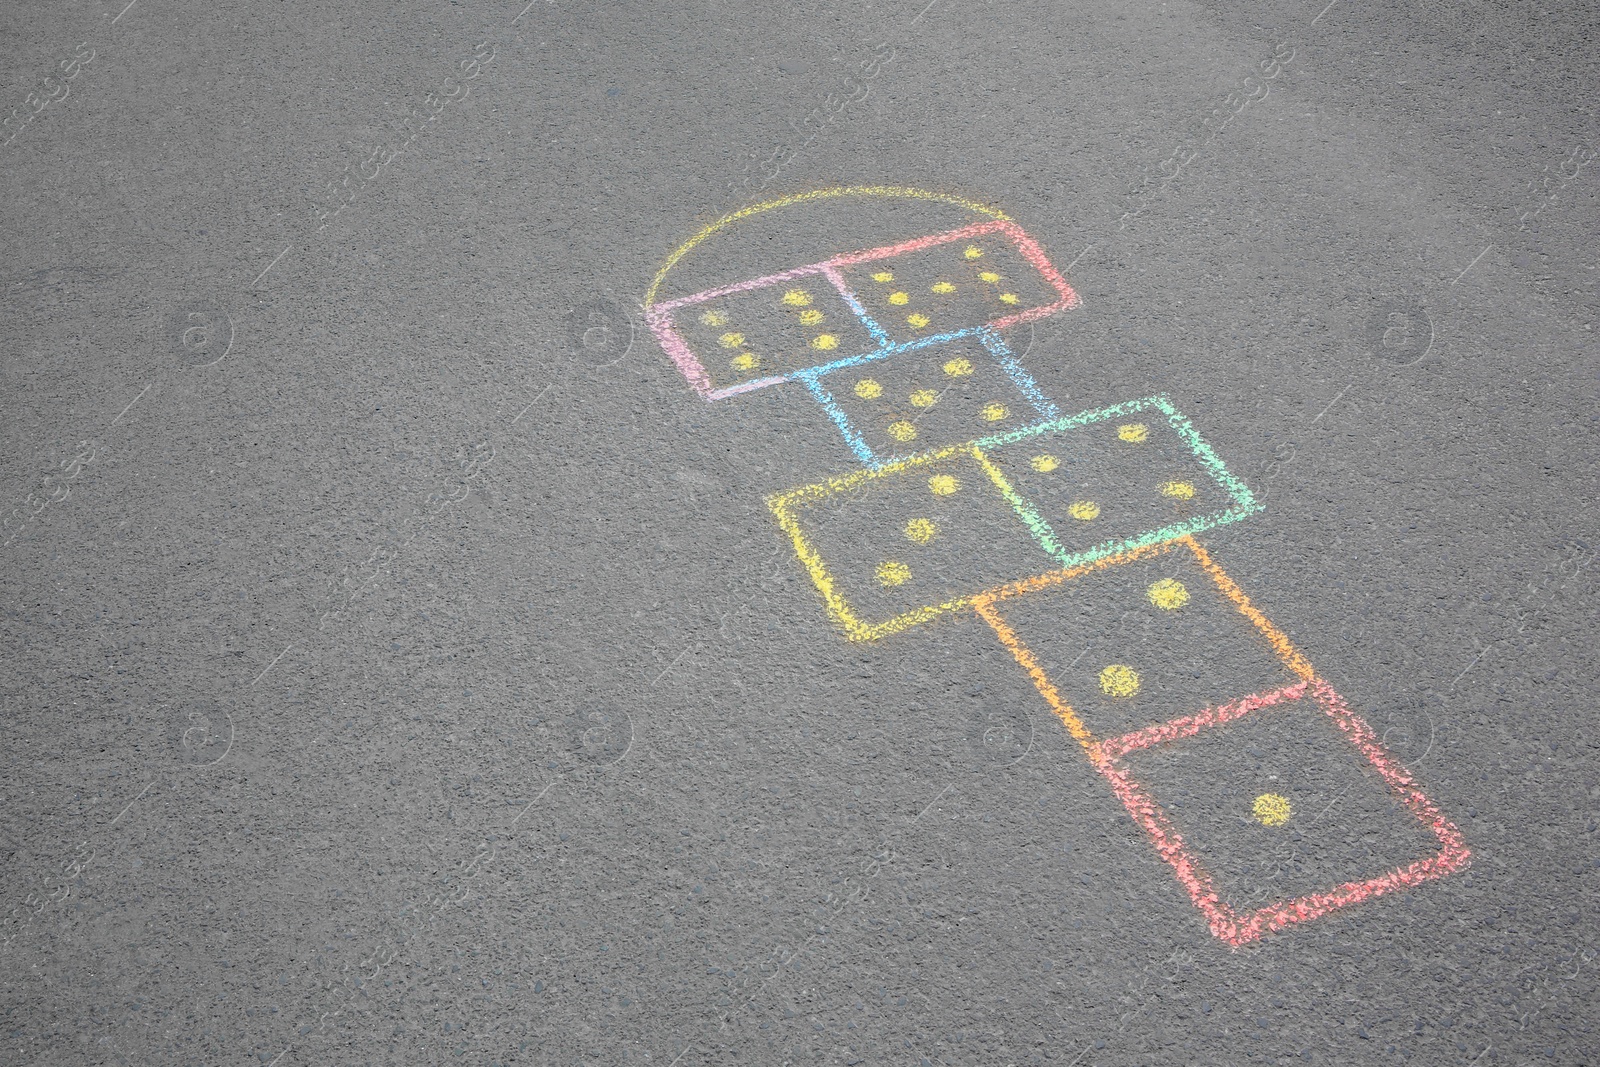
x: 928, y: 397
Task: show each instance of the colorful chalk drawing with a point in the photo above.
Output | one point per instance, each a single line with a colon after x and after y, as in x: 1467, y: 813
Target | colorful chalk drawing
x: 976, y: 493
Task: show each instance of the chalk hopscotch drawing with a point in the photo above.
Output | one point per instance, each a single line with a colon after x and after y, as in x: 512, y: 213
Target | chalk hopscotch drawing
x: 975, y: 493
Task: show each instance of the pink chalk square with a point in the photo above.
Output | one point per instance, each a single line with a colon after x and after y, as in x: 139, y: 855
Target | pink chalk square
x: 981, y: 276
x: 1027, y: 287
x: 744, y: 337
x: 1279, y: 808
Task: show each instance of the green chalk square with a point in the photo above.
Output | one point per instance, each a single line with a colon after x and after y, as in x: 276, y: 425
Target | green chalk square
x: 1129, y: 480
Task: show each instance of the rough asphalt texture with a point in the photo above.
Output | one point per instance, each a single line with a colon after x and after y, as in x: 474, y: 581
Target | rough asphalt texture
x: 400, y: 664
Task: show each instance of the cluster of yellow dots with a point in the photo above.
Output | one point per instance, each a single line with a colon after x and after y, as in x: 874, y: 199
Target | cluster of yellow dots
x: 1082, y: 510
x: 920, y: 531
x: 745, y: 361
x: 800, y: 301
x: 797, y: 300
x: 1121, y: 680
x: 899, y: 298
x: 904, y: 429
x: 1137, y: 433
x: 1088, y: 510
x: 989, y: 276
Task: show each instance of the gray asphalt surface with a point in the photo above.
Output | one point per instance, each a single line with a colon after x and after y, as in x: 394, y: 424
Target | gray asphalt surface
x: 401, y: 664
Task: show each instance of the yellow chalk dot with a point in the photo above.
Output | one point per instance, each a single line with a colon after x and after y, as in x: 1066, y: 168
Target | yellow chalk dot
x: 899, y: 298
x: 825, y: 341
x: 924, y: 398
x: 943, y: 484
x: 990, y: 276
x: 714, y: 318
x: 973, y: 252
x: 893, y: 573
x: 994, y: 412
x: 1044, y: 464
x: 868, y: 389
x: 943, y: 287
x: 958, y: 368
x: 731, y: 340
x: 1119, y: 680
x: 1084, y: 510
x: 1178, y: 490
x: 746, y: 361
x: 1271, y: 809
x: 918, y: 320
x: 1008, y: 298
x: 883, y: 276
x: 1168, y: 594
x: 902, y: 431
x: 922, y: 530
x: 1133, y: 432
x: 810, y: 317
x: 797, y: 298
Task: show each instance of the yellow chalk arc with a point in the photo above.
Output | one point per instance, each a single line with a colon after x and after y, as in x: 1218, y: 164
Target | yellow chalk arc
x: 816, y: 194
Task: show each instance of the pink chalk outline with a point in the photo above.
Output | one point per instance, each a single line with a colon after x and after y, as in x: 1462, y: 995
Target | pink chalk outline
x: 661, y: 320
x: 1227, y: 924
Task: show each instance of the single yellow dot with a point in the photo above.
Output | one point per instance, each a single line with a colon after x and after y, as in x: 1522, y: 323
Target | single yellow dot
x: 1044, y: 464
x: 825, y: 341
x: 917, y: 319
x: 893, y: 573
x: 746, y: 361
x: 924, y: 398
x: 810, y: 317
x: 943, y: 484
x: 1133, y: 432
x: 958, y: 368
x: 1008, y: 298
x: 973, y: 252
x: 731, y: 340
x: 868, y: 389
x: 902, y: 431
x: 1178, y: 490
x: 899, y: 298
x: 922, y: 530
x: 1084, y: 510
x: 943, y: 287
x: 1271, y: 809
x: 990, y: 276
x: 1119, y: 680
x: 797, y: 298
x: 1168, y: 594
x: 994, y: 412
x: 714, y: 318
x: 883, y: 276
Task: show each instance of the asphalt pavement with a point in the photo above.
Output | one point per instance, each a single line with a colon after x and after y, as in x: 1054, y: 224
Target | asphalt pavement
x: 905, y: 533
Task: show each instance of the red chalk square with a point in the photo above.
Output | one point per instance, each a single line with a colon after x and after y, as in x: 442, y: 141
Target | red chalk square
x: 1279, y: 808
x: 956, y: 285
